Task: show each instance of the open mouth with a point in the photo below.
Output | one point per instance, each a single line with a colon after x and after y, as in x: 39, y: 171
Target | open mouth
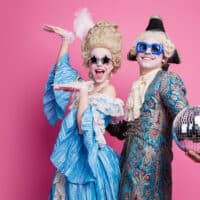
x: 99, y: 73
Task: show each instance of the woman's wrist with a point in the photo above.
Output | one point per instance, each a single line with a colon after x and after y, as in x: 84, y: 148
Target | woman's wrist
x: 65, y: 41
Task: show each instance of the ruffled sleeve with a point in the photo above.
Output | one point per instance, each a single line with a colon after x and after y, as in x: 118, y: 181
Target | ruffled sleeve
x: 89, y: 140
x: 55, y: 101
x: 75, y: 155
x: 71, y: 151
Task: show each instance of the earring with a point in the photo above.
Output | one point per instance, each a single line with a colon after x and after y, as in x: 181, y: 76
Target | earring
x: 90, y: 75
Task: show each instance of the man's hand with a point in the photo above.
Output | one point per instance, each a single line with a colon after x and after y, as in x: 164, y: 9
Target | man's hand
x: 193, y: 155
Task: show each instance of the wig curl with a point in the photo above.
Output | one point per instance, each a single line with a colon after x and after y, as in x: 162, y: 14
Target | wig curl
x: 103, y: 35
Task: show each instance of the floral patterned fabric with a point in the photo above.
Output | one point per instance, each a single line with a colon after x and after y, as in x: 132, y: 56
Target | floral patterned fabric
x: 147, y: 153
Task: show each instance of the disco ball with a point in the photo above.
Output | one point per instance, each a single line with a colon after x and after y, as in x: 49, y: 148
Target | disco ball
x: 186, y: 129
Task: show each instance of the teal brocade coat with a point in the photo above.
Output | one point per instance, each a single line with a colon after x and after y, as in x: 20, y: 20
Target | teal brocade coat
x: 147, y: 153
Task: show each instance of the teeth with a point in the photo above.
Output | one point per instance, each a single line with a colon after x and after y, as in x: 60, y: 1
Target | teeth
x: 99, y: 71
x: 146, y: 58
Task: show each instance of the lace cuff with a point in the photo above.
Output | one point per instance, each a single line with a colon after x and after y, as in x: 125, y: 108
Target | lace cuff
x: 107, y: 105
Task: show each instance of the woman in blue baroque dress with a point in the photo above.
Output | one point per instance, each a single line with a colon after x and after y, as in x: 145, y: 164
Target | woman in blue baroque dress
x: 87, y: 168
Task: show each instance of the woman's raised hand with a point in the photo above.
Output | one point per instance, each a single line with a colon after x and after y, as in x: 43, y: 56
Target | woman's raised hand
x: 66, y: 35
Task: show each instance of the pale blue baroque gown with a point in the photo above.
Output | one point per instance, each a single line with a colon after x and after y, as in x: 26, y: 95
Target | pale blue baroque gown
x: 87, y: 168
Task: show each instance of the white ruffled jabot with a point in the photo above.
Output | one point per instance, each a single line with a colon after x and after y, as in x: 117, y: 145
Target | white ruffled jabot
x: 136, y: 96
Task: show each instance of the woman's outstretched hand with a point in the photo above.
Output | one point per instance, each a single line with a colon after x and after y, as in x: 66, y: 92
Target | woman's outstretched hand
x: 66, y: 35
x: 73, y: 86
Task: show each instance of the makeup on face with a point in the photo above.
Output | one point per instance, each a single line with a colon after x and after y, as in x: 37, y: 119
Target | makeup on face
x: 149, y: 53
x: 100, y: 64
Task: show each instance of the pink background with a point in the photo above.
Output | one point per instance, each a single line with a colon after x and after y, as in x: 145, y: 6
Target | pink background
x: 27, y: 54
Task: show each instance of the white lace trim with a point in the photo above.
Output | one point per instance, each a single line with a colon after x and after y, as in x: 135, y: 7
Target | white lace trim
x: 137, y: 94
x: 99, y: 128
x: 59, y: 182
x: 108, y: 106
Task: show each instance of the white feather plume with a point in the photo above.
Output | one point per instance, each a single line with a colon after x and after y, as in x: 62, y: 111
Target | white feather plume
x: 82, y: 23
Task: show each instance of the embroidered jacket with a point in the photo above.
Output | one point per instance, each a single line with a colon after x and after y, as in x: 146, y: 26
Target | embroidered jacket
x: 147, y: 152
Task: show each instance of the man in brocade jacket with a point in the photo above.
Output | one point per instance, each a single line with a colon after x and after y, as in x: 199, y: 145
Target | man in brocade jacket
x: 155, y: 99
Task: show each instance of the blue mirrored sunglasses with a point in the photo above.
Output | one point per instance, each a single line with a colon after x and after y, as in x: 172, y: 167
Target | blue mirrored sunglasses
x: 141, y: 47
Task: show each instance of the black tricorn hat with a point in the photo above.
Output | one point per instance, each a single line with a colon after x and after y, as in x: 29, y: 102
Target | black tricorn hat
x: 156, y: 24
